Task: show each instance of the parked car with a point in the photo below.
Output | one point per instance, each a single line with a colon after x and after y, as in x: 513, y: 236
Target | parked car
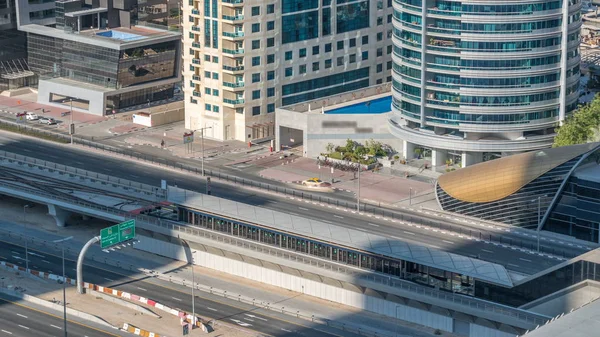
x: 48, y: 121
x: 30, y: 116
x: 315, y: 182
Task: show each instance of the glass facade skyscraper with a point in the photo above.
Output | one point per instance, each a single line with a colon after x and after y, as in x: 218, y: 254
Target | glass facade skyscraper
x: 474, y: 81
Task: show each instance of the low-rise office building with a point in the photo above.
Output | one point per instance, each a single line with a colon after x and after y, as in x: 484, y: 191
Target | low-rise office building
x: 96, y: 57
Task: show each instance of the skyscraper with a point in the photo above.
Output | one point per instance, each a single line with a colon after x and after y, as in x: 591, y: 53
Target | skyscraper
x: 243, y: 58
x: 474, y: 81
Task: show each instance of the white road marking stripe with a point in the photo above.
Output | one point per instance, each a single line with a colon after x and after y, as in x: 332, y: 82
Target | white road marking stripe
x: 22, y: 316
x: 12, y: 251
x: 372, y: 224
x: 211, y: 309
x: 109, y: 280
x: 446, y: 241
x: 432, y: 246
x: 304, y: 209
x: 338, y: 216
x: 176, y: 299
x: 487, y: 251
x: 24, y: 327
x: 295, y: 214
x: 26, y: 150
x: 286, y: 330
x: 514, y: 265
x: 142, y: 289
x: 8, y: 332
x: 409, y: 233
x: 395, y: 237
x: 526, y: 260
x: 54, y: 326
x: 45, y: 261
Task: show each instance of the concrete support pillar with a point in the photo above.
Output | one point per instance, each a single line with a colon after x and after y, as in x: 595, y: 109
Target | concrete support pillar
x: 60, y: 215
x: 408, y: 149
x: 438, y: 157
x: 471, y: 158
x: 79, y: 24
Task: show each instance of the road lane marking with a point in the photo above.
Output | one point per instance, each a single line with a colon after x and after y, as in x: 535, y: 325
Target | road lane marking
x: 54, y: 326
x: 176, y: 299
x: 433, y: 246
x: 8, y: 332
x: 526, y: 260
x: 45, y: 261
x: 338, y: 216
x: 409, y: 233
x: 142, y: 289
x: 24, y: 327
x: 134, y: 176
x: 304, y: 209
x: 295, y: 214
x: 446, y: 241
x: 372, y: 224
x: 109, y: 280
x: 211, y: 309
x: 286, y: 330
x: 514, y: 265
x: 27, y: 150
x: 487, y: 251
x: 12, y: 251
x: 34, y: 254
x: 248, y: 319
x: 22, y: 316
x: 256, y: 317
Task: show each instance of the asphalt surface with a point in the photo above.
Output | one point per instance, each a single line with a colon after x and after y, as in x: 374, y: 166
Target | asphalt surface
x: 20, y: 320
x: 441, y: 239
x: 175, y: 297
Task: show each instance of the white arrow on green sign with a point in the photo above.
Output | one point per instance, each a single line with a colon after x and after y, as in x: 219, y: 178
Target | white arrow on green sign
x: 116, y: 234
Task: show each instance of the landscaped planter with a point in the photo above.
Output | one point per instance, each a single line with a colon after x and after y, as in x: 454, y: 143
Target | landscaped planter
x: 346, y: 162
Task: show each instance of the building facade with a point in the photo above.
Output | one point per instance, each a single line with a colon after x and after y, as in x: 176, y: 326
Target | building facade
x: 555, y: 189
x: 242, y: 59
x: 475, y: 80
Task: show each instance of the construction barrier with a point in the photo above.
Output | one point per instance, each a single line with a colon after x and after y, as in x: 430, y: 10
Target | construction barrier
x: 140, y: 332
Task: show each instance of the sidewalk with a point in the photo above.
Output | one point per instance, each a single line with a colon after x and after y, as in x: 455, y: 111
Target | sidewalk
x: 45, y: 229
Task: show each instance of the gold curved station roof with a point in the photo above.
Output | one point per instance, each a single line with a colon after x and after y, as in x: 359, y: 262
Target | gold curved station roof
x: 496, y: 179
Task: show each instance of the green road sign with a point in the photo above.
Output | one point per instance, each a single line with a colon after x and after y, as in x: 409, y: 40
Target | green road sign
x: 116, y: 234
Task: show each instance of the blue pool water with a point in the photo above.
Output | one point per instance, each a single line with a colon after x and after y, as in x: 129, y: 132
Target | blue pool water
x: 376, y: 106
x: 113, y: 34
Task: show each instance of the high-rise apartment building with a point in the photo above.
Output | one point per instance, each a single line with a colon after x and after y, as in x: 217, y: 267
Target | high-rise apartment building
x: 243, y: 58
x: 473, y: 80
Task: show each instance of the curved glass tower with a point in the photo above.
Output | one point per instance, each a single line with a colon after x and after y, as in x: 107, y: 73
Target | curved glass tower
x: 473, y: 80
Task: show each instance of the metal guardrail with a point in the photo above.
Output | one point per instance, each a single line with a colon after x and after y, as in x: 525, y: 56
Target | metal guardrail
x: 144, y: 188
x: 473, y: 303
x: 374, y: 209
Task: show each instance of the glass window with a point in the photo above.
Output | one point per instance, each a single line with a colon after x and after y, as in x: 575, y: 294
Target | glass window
x: 379, y: 67
x: 389, y: 50
x: 255, y: 94
x: 340, y: 61
x: 326, y: 19
x: 255, y: 10
x: 328, y: 47
x: 315, y: 66
x: 340, y: 45
x: 207, y: 107
x: 215, y: 108
x: 315, y: 50
x: 215, y: 59
x: 299, y: 27
x: 388, y: 65
x: 270, y: 42
x: 207, y: 58
x: 255, y: 61
x: 302, y: 52
x: 289, y: 72
x: 326, y: 3
x: 327, y: 63
x: 255, y: 27
x: 255, y: 110
x: 270, y: 58
x: 255, y: 77
x: 352, y: 42
x: 207, y: 74
x: 389, y: 18
x: 270, y: 25
x: 207, y: 91
x: 270, y: 75
x: 270, y: 108
x: 288, y: 6
x: 302, y: 69
x: 365, y: 55
x: 288, y: 55
x: 379, y: 36
x: 380, y: 20
x: 270, y: 9
x: 215, y: 76
x: 215, y: 92
x: 270, y: 92
x: 255, y: 44
x: 379, y: 52
x: 365, y: 39
x: 352, y: 17
x: 352, y: 58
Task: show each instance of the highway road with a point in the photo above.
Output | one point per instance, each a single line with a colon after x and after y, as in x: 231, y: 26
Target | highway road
x: 21, y: 320
x: 513, y: 259
x: 163, y: 293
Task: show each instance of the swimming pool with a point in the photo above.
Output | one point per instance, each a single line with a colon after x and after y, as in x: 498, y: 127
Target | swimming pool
x: 376, y: 106
x: 113, y: 34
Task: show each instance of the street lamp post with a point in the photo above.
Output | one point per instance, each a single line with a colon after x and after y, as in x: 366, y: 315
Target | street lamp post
x: 193, y: 296
x: 397, y: 318
x: 26, y: 240
x: 71, y: 128
x: 539, y: 222
x: 358, y: 194
x: 64, y: 282
x: 202, y: 143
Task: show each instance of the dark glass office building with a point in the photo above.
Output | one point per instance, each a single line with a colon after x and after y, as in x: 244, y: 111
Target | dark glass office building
x: 556, y: 189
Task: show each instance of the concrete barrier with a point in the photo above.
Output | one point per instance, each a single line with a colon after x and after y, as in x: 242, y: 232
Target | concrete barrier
x: 58, y: 307
x: 124, y: 303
